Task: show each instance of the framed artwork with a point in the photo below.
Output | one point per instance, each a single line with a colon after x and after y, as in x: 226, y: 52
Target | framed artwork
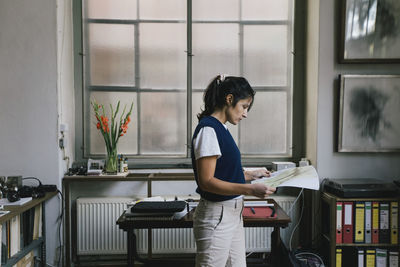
x: 369, y: 119
x: 370, y: 31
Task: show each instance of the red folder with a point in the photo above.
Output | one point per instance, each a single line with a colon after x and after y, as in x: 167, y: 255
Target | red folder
x: 339, y: 228
x: 375, y: 222
x: 348, y: 225
x: 259, y: 212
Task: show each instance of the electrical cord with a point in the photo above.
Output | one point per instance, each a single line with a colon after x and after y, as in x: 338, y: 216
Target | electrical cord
x: 311, y: 254
x: 301, y: 216
x: 60, y: 218
x: 294, y: 202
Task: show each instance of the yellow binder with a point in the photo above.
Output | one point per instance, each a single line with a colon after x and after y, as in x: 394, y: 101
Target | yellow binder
x: 338, y: 257
x: 394, y: 222
x: 370, y: 258
x: 375, y: 222
x: 359, y: 222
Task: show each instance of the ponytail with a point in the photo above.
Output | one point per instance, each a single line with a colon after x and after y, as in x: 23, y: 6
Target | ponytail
x: 221, y: 86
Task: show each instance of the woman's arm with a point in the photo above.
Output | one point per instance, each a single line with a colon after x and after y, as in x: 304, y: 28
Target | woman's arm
x: 207, y: 182
x: 256, y: 174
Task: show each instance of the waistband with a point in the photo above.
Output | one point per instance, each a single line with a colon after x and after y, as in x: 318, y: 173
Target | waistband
x: 232, y: 203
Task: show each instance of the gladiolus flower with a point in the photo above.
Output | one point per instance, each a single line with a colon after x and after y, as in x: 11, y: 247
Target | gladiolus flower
x: 111, y: 129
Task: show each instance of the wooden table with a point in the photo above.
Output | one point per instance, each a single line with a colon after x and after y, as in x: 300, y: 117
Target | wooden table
x: 280, y: 221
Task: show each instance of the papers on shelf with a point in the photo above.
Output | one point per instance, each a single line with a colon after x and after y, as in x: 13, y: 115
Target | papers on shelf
x: 22, y: 201
x: 3, y: 212
x: 303, y: 177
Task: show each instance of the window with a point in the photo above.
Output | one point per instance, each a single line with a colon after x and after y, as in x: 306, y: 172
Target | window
x: 162, y: 54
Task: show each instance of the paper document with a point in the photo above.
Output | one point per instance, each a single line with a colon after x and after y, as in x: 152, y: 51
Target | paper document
x: 303, y: 177
x: 20, y: 202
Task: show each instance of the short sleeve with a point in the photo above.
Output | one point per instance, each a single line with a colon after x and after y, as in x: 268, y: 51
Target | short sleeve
x: 206, y: 143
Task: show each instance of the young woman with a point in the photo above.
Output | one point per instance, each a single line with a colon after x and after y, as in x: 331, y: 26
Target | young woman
x: 218, y: 224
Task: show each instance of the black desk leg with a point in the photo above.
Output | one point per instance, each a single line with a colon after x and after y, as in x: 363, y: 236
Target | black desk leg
x: 131, y: 247
x: 275, y: 246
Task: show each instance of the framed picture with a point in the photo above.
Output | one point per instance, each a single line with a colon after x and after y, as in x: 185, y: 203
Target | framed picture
x: 370, y: 31
x: 369, y: 119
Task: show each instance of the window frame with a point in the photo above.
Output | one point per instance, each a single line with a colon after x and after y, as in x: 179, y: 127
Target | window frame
x: 144, y: 161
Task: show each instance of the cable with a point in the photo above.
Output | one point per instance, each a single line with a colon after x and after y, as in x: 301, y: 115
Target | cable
x: 312, y: 254
x: 59, y: 227
x: 301, y: 216
x: 294, y: 202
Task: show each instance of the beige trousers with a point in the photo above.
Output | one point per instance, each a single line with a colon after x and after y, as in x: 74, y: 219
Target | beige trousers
x: 218, y: 230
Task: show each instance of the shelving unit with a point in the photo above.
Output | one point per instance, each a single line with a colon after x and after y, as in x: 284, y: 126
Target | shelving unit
x: 329, y: 245
x: 40, y: 242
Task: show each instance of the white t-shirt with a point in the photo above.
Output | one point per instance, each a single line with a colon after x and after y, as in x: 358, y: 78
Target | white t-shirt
x: 206, y: 143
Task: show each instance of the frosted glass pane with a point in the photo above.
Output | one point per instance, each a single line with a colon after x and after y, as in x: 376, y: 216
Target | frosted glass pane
x: 264, y: 131
x: 163, y: 123
x: 162, y: 55
x: 111, y: 9
x: 165, y: 9
x: 197, y: 106
x: 216, y: 51
x: 197, y: 103
x: 266, y: 55
x: 215, y: 9
x: 127, y: 144
x: 111, y: 58
x: 265, y: 9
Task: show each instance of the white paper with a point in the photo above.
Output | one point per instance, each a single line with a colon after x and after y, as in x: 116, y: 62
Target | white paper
x: 303, y: 177
x: 22, y: 201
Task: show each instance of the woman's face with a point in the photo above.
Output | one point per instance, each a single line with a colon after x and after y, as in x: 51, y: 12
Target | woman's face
x: 235, y: 114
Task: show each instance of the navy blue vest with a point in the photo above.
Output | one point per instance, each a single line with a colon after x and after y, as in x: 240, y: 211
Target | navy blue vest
x: 229, y: 166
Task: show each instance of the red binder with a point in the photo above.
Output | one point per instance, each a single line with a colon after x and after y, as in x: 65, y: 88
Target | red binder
x: 375, y: 222
x: 339, y: 228
x: 348, y: 225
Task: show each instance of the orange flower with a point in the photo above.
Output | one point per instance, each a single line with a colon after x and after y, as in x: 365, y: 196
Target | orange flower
x: 111, y: 128
x: 104, y: 120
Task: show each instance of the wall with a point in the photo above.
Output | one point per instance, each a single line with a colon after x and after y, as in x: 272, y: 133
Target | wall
x: 65, y: 82
x: 29, y: 98
x: 330, y: 163
x: 311, y: 92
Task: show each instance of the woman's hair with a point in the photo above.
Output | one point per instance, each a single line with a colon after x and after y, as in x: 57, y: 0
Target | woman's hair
x: 221, y: 86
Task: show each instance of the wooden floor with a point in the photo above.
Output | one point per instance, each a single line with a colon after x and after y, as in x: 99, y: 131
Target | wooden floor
x: 254, y: 261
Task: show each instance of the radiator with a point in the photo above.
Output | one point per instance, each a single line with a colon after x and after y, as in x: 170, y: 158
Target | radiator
x: 98, y: 233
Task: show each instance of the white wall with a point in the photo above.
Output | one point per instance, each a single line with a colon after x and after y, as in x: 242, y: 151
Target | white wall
x: 29, y: 98
x: 332, y: 164
x: 65, y: 81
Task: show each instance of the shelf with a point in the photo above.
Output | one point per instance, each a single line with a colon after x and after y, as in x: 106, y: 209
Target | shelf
x: 366, y: 245
x: 23, y: 252
x: 38, y: 243
x: 360, y: 244
x: 328, y: 232
x: 331, y: 196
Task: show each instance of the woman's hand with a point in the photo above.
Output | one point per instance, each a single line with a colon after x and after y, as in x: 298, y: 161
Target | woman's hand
x: 256, y: 174
x: 260, y: 190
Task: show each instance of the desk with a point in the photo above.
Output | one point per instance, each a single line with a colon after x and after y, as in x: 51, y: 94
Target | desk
x: 282, y: 220
x: 96, y: 181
